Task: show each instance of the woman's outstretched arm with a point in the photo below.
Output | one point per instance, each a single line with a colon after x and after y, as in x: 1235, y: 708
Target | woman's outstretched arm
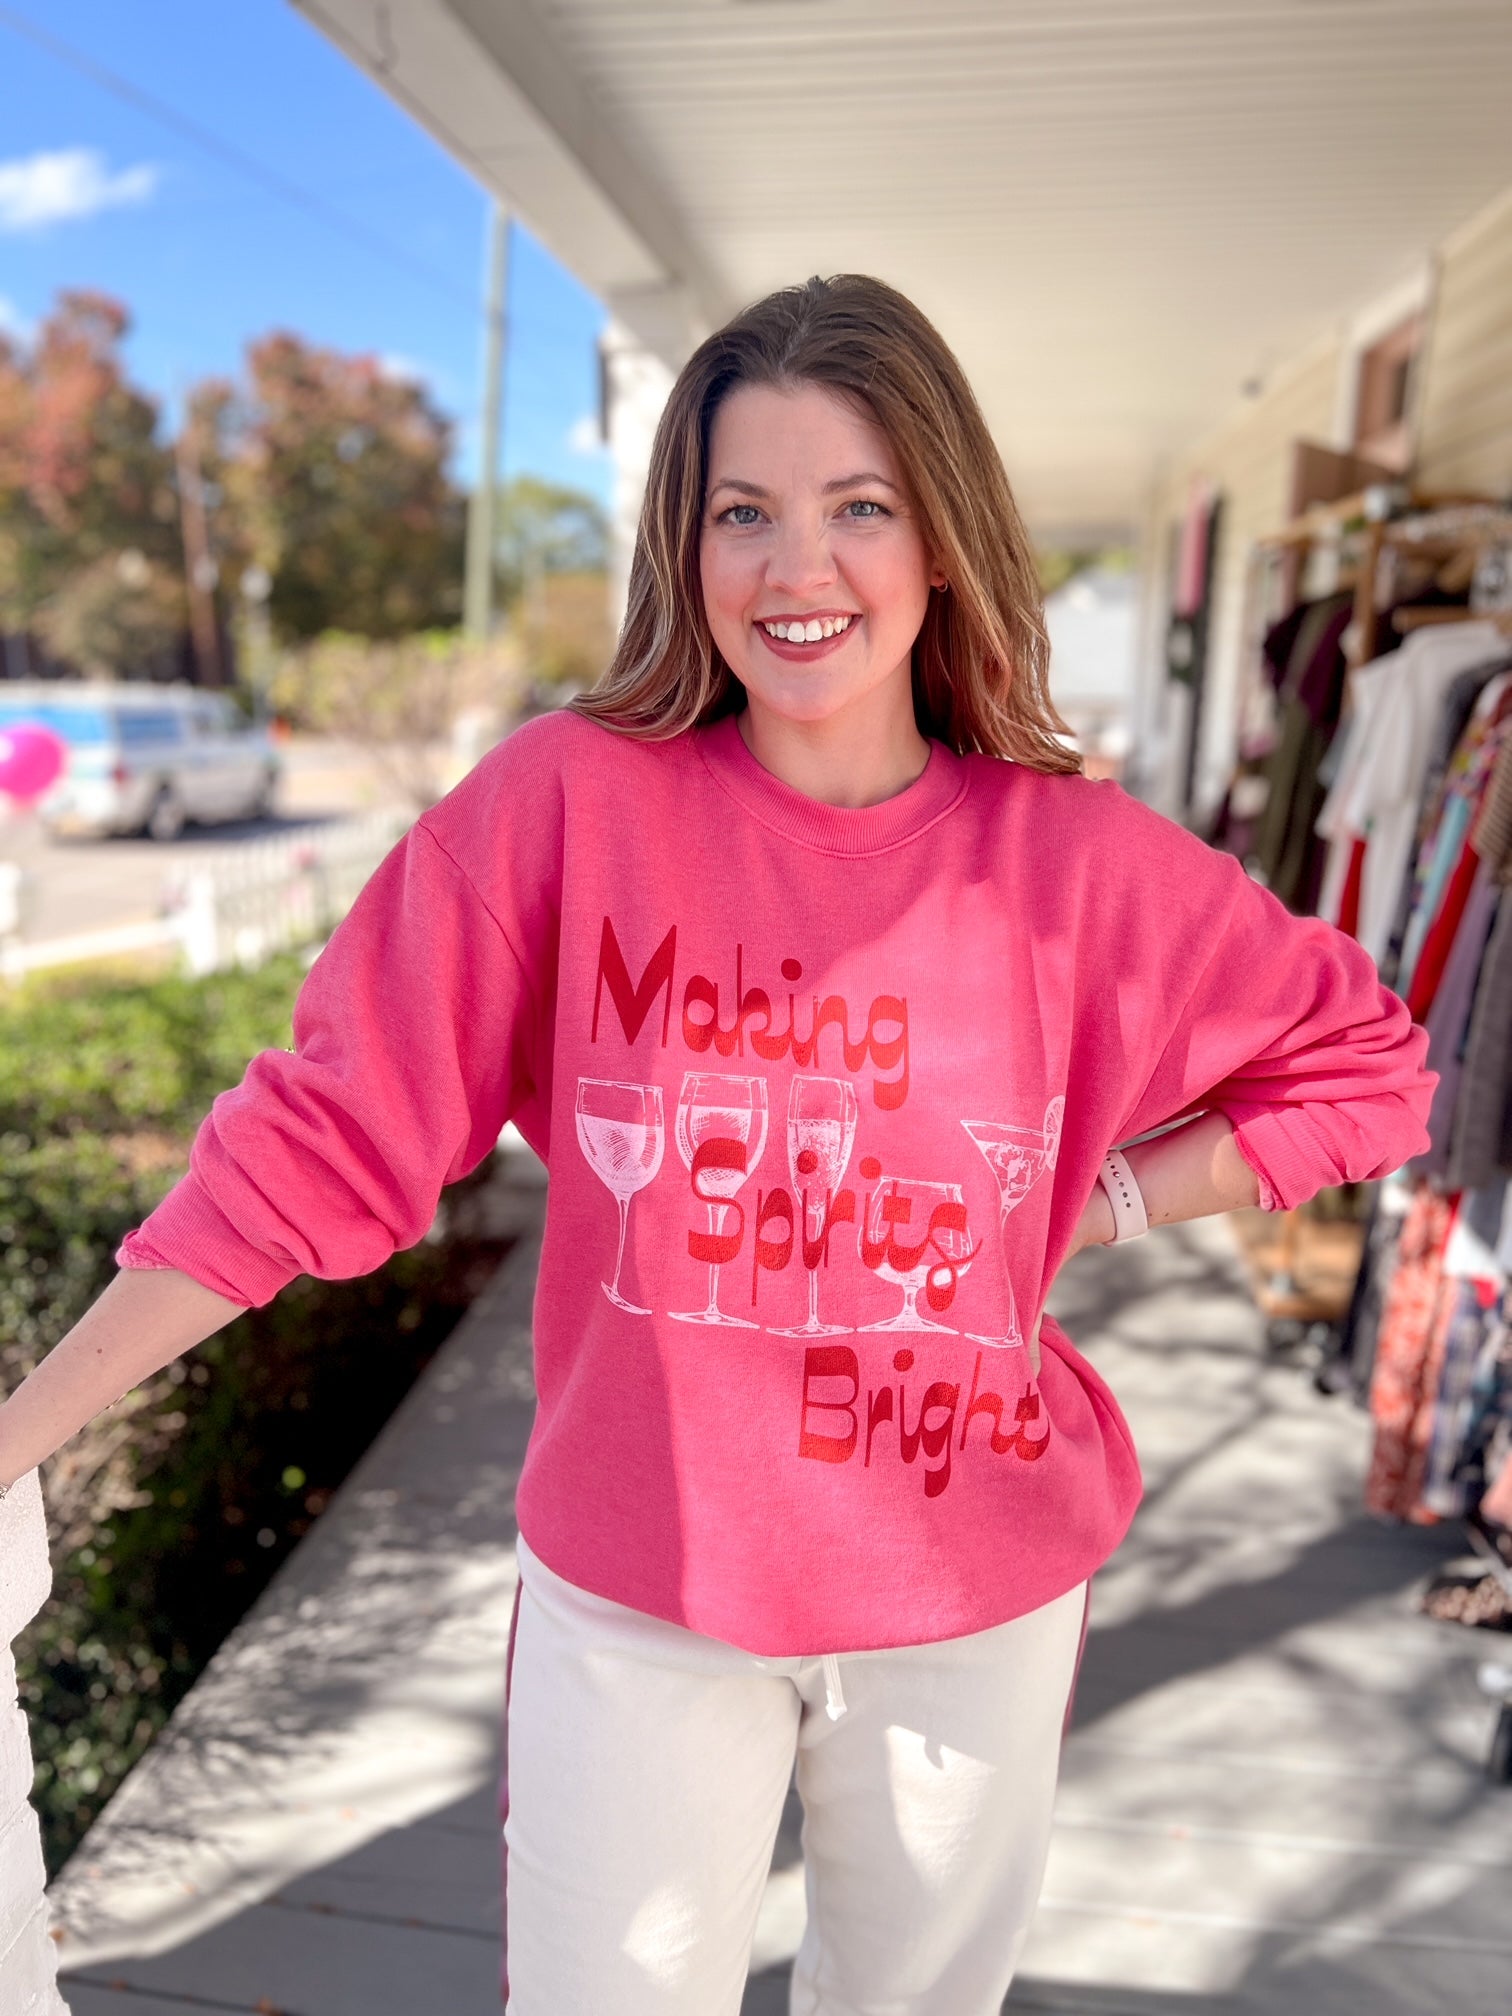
x: 147, y: 1317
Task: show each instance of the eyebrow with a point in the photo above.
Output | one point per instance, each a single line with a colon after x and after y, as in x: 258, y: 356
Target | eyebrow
x: 853, y: 482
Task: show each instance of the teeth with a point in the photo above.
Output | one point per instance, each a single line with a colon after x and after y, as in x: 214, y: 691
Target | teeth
x: 810, y: 632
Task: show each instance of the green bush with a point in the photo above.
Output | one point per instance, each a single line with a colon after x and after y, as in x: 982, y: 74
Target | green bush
x: 78, y: 1058
x: 101, y: 1088
x: 271, y: 1414
x: 169, y: 1513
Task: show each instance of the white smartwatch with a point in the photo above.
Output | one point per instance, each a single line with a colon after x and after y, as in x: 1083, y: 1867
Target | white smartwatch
x: 1130, y: 1219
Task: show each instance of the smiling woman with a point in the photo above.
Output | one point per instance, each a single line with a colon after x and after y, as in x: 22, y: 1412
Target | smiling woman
x: 809, y: 1000
x: 816, y: 585
x: 823, y: 457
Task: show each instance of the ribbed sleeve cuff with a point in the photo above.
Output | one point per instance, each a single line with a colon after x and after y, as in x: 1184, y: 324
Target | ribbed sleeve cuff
x: 1297, y: 1150
x: 1286, y: 1152
x: 189, y: 1231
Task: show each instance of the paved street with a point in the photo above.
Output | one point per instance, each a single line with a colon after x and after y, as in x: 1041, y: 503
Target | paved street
x: 85, y: 885
x: 1273, y: 1800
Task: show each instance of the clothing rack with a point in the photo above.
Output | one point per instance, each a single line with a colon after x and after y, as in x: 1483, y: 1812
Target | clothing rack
x: 1375, y: 537
x: 1410, y: 619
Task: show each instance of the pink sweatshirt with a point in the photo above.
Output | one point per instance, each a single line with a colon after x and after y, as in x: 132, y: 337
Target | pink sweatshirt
x: 822, y: 1094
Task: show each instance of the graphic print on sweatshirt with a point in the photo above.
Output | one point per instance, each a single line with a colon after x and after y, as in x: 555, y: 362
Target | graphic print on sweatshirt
x: 781, y: 1185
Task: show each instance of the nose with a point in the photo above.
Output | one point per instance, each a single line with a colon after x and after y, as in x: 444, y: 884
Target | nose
x: 799, y: 561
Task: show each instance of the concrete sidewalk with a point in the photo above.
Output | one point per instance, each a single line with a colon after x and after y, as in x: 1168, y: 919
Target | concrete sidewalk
x: 1274, y: 1798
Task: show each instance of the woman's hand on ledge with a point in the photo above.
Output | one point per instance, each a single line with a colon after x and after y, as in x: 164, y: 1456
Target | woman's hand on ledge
x: 145, y: 1318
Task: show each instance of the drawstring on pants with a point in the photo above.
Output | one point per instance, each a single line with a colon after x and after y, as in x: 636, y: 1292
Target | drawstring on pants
x: 834, y: 1696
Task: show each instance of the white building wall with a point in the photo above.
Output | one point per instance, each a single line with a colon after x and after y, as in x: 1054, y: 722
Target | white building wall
x: 1463, y: 404
x: 1465, y: 408
x: 1248, y: 460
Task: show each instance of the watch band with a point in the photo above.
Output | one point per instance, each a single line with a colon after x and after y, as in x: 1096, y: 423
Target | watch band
x: 1130, y: 1219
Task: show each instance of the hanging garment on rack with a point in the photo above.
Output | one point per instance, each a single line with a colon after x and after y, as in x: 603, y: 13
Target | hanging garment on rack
x: 1448, y: 1021
x: 1409, y: 1352
x: 1476, y: 1284
x: 1304, y: 655
x: 1351, y: 1362
x: 1192, y: 566
x: 1454, y: 718
x: 1478, y: 1147
x: 1492, y: 834
x: 1339, y: 885
x: 1480, y: 1141
x: 1349, y: 895
x: 1487, y: 1447
x: 1378, y: 791
x: 1496, y: 1505
x: 1452, y: 860
x: 1445, y: 1487
x: 1496, y: 1454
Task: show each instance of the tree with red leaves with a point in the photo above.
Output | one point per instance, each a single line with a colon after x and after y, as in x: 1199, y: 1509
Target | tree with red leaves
x: 335, y: 482
x: 89, y: 545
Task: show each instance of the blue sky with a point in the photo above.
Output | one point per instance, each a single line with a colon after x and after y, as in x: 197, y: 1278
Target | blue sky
x: 97, y: 192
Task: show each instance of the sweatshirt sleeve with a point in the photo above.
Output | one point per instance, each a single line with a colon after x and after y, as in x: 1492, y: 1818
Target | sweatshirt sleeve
x: 1287, y: 1029
x: 412, y: 1047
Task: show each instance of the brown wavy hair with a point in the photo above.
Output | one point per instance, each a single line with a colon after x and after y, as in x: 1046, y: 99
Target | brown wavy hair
x: 981, y: 658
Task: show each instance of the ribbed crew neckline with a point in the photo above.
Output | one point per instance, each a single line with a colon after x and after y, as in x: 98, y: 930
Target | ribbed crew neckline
x: 832, y: 829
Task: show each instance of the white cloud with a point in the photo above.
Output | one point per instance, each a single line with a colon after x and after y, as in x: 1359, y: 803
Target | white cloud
x: 61, y: 187
x: 583, y: 435
x: 394, y: 364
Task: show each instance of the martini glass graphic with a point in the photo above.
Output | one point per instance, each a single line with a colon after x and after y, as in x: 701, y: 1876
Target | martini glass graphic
x: 1017, y: 1156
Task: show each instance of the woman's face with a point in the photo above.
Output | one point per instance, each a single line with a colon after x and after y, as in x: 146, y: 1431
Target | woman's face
x: 807, y: 525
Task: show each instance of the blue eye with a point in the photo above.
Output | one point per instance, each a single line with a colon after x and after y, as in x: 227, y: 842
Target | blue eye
x: 869, y: 506
x: 730, y: 514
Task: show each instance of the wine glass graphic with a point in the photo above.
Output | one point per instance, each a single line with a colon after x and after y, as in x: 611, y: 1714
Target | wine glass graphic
x: 1017, y: 1156
x: 622, y: 1131
x: 821, y: 1132
x: 715, y: 1106
x: 945, y: 1245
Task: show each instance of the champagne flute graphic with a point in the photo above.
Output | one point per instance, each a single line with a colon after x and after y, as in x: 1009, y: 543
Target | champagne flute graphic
x: 821, y: 1132
x: 1017, y: 1156
x: 714, y: 1105
x: 622, y: 1131
x: 947, y: 1245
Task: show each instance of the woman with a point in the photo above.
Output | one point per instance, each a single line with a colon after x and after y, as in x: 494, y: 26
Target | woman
x: 825, y: 1018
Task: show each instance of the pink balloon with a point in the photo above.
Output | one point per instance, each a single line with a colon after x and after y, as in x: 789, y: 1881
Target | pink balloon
x: 30, y: 759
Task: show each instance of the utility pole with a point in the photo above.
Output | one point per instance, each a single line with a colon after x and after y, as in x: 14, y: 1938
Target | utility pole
x: 200, y: 570
x: 478, y: 594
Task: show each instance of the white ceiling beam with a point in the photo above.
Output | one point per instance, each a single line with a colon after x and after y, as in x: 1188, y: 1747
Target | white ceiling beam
x: 485, y: 79
x: 514, y: 36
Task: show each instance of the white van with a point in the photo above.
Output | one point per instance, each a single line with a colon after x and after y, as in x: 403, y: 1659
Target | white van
x: 145, y: 759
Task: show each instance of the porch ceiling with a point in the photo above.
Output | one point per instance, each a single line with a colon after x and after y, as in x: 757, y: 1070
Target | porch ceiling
x: 1118, y: 211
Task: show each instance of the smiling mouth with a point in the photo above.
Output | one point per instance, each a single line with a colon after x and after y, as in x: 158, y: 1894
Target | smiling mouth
x: 805, y: 630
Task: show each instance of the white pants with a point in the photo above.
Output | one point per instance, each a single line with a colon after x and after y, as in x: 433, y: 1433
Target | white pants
x: 646, y: 1770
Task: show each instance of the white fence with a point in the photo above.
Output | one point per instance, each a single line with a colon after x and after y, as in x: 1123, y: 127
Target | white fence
x: 233, y: 906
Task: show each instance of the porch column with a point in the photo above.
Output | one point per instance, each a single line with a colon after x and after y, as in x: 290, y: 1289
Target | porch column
x: 636, y: 384
x: 28, y: 1957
